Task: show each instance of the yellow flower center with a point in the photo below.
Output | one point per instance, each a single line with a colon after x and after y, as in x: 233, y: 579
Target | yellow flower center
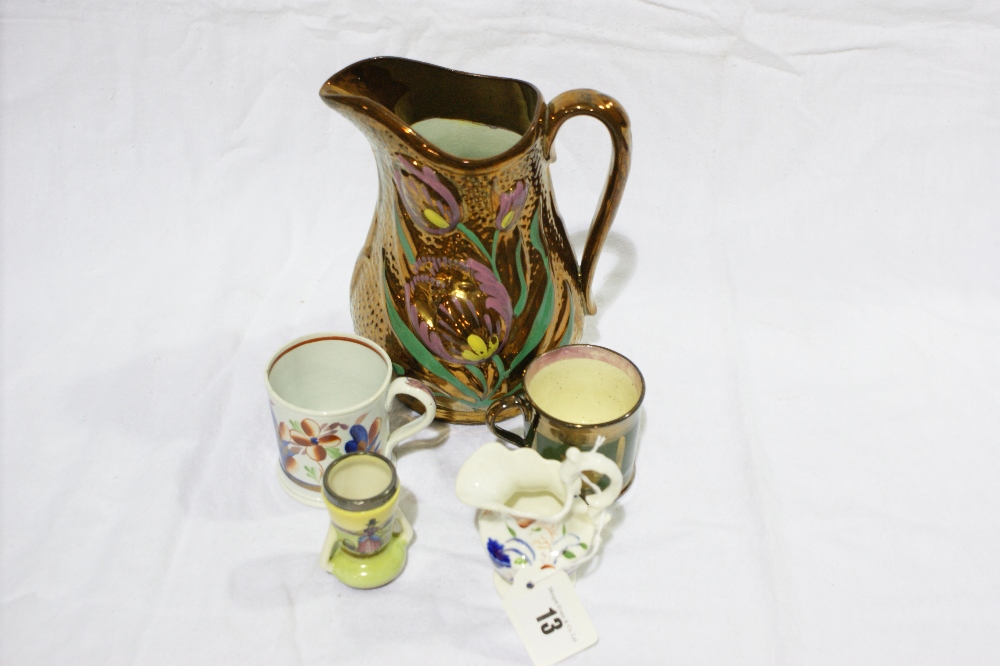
x: 507, y: 219
x: 435, y: 218
x: 479, y: 349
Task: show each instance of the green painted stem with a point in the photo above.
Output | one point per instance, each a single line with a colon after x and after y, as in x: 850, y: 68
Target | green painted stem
x: 523, y: 298
x: 544, y: 315
x: 479, y: 244
x: 403, y: 239
x: 478, y: 374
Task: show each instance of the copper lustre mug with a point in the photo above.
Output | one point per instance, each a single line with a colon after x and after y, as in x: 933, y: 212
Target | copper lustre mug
x: 580, y: 396
x: 330, y: 395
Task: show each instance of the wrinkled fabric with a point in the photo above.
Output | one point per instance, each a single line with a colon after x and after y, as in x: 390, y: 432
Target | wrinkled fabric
x: 804, y: 267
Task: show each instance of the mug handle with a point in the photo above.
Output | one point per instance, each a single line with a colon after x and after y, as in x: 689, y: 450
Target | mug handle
x: 502, y: 405
x: 610, y: 112
x: 415, y: 389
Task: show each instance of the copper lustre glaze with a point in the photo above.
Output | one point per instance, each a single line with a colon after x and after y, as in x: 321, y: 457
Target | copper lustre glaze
x: 467, y: 273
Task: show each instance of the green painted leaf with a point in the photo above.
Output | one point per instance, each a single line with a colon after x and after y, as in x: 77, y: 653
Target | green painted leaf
x: 564, y: 530
x: 296, y: 426
x: 544, y: 316
x: 398, y: 369
x: 478, y: 374
x: 496, y: 241
x: 520, y: 560
x: 478, y: 243
x: 568, y: 554
x: 583, y: 545
x: 423, y: 355
x: 333, y: 451
x: 501, y: 375
x: 403, y: 238
x: 311, y: 471
x: 511, y: 530
x: 523, y: 298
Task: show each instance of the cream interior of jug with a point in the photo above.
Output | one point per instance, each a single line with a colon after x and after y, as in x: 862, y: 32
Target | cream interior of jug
x: 466, y: 139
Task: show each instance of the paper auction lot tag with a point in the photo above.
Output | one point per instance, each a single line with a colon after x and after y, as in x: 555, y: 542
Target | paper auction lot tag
x: 548, y: 616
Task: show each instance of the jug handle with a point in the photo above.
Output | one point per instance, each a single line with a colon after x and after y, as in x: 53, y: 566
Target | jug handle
x: 606, y: 109
x: 577, y: 462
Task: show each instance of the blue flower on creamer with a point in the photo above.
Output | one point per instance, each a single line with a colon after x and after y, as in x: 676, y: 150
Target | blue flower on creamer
x: 495, y: 548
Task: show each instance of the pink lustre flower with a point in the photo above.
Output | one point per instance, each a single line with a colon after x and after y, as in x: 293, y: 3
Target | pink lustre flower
x: 510, y: 205
x: 427, y: 200
x: 459, y: 309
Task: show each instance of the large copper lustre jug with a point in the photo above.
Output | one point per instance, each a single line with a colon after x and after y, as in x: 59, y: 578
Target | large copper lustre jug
x: 467, y: 273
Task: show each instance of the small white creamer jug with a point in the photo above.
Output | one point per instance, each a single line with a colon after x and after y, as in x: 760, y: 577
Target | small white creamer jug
x: 531, y: 513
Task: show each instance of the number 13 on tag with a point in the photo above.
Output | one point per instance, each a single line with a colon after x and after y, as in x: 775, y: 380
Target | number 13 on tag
x: 549, y: 617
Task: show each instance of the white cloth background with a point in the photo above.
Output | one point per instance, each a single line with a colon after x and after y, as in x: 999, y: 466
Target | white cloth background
x: 805, y: 265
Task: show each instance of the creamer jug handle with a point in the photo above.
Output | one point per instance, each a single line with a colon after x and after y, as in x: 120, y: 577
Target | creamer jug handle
x: 608, y: 111
x: 578, y: 462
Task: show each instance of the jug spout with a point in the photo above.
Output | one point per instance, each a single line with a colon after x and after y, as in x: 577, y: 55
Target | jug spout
x: 493, y: 475
x: 363, y: 89
x: 398, y: 94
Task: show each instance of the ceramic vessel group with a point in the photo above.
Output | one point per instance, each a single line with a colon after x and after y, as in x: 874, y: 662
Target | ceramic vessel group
x: 465, y: 290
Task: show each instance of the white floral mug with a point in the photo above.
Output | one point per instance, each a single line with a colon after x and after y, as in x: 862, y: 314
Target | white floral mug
x: 330, y: 394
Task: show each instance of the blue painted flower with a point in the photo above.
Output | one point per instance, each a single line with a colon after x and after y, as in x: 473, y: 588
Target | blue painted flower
x: 362, y: 439
x: 495, y: 548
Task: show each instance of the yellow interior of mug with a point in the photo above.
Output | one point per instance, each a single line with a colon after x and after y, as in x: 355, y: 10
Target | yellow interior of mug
x: 584, y: 384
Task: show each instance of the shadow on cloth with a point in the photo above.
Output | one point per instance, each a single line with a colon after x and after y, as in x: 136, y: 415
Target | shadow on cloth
x: 196, y: 418
x: 610, y: 288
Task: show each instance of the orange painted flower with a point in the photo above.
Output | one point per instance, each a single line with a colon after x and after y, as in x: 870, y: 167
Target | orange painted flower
x: 309, y: 438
